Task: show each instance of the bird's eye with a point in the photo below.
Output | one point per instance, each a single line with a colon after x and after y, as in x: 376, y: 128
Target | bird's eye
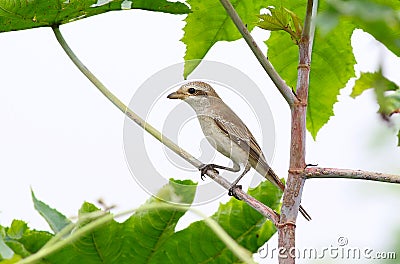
x: 191, y: 90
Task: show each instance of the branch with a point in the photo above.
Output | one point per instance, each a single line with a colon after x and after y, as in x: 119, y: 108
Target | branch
x: 260, y: 207
x: 307, y: 32
x: 315, y: 172
x: 283, y: 88
x: 295, y: 181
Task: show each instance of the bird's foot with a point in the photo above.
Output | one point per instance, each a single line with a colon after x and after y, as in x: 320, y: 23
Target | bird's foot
x: 205, y: 167
x: 231, y: 191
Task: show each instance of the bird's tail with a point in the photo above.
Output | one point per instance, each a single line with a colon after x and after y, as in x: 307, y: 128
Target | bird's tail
x: 271, y: 176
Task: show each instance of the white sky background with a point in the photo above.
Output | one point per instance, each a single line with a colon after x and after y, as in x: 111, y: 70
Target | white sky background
x: 61, y: 137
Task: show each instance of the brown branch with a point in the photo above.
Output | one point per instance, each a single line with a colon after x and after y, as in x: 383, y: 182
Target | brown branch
x: 295, y: 182
x: 316, y: 172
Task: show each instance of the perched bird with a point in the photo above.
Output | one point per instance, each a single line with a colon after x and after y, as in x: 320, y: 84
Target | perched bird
x: 227, y: 133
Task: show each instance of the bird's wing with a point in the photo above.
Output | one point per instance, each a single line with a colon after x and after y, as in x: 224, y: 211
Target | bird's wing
x: 242, y: 136
x: 246, y: 141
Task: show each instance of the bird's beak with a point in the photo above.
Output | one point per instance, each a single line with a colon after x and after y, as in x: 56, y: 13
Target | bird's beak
x: 176, y: 95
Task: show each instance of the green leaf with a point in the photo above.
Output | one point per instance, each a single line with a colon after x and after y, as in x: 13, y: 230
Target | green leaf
x: 149, y: 236
x: 55, y: 219
x: 198, y: 244
x: 332, y: 66
x: 136, y: 239
x: 177, y: 192
x: 297, y: 23
x: 282, y: 19
x: 277, y: 20
x: 369, y: 80
x: 100, y: 246
x: 12, y: 260
x: 133, y: 241
x: 380, y: 18
x: 5, y: 251
x: 386, y: 91
x: 18, y: 15
x: 21, y: 241
x: 17, y: 229
x: 209, y: 23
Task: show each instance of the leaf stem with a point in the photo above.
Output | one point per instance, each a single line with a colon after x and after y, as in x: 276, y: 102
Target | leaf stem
x: 260, y: 207
x: 283, y: 88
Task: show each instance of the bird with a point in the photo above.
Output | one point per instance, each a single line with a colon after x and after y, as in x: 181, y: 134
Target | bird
x: 227, y: 133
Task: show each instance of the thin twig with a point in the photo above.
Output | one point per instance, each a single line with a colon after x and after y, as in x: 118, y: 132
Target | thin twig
x: 315, y: 172
x: 260, y: 207
x: 283, y: 88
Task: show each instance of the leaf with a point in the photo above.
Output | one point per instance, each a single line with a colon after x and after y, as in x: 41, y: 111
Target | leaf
x: 209, y: 23
x: 149, y: 236
x: 18, y: 15
x: 133, y: 241
x: 55, y: 219
x: 136, y: 239
x: 21, y: 241
x: 386, y: 91
x: 297, y: 23
x: 332, y: 66
x: 380, y: 18
x: 369, y: 80
x: 31, y: 242
x: 271, y: 22
x: 12, y: 260
x: 151, y: 229
x: 5, y: 251
x: 198, y: 244
x: 387, y: 94
x: 104, y: 245
x: 17, y: 229
x: 282, y: 19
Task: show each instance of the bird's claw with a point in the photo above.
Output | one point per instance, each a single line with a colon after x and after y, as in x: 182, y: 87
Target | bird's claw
x: 204, y: 168
x: 232, y: 193
x: 202, y: 176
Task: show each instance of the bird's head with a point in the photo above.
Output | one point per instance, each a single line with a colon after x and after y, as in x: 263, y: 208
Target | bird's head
x: 193, y: 90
